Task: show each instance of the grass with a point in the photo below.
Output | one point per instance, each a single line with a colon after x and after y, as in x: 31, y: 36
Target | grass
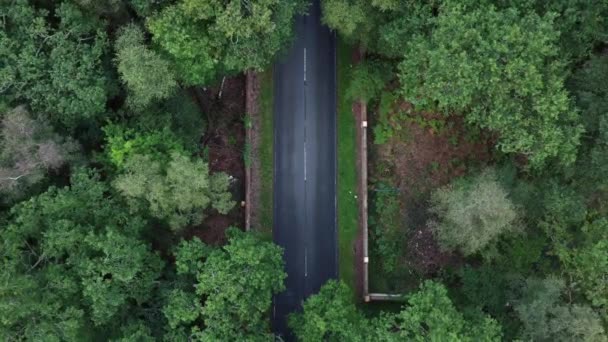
x: 347, y: 170
x: 266, y: 151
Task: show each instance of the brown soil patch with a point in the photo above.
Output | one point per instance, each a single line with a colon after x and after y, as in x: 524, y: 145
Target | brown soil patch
x: 254, y: 174
x: 223, y: 147
x: 424, y: 255
x: 420, y: 160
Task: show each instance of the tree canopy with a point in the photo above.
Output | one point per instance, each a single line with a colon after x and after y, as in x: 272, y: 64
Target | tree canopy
x: 501, y: 70
x: 178, y: 191
x: 73, y: 262
x: 57, y: 69
x: 206, y: 38
x: 472, y: 213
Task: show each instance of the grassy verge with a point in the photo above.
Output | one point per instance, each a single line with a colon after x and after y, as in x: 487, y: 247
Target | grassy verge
x: 266, y: 151
x: 347, y: 173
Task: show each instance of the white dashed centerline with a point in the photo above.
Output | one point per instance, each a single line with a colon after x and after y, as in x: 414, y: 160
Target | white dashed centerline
x: 305, y: 262
x: 304, y: 64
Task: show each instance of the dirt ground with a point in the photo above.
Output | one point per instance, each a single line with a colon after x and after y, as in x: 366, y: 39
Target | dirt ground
x: 424, y: 160
x: 223, y: 146
x: 255, y: 186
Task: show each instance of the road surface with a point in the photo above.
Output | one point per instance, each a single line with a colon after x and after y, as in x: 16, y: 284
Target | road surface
x: 305, y: 163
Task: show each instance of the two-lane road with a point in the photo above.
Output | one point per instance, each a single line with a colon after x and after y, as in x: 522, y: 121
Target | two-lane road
x: 305, y: 163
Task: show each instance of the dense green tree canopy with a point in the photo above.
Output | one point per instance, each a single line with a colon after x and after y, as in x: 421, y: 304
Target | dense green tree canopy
x: 330, y: 315
x: 208, y: 37
x: 56, y: 68
x: 233, y: 291
x: 429, y: 315
x: 73, y: 262
x: 501, y: 70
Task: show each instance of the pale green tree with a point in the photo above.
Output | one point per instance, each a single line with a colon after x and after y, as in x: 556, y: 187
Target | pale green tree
x: 147, y: 75
x: 472, y: 213
x: 178, y: 191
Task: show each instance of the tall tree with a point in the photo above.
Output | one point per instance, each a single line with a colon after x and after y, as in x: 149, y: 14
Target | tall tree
x: 54, y: 63
x: 501, y: 69
x: 208, y: 37
x: 178, y: 191
x: 147, y: 75
x: 233, y: 291
x: 429, y: 315
x: 73, y: 264
x: 330, y: 315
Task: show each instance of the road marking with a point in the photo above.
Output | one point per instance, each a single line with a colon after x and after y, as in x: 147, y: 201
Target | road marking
x: 305, y: 160
x: 304, y: 64
x: 274, y: 310
x: 305, y: 262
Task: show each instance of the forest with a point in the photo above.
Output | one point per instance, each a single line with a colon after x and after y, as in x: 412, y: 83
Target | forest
x: 122, y: 157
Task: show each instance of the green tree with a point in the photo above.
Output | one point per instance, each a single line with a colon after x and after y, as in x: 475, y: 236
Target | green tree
x: 53, y: 62
x: 546, y: 317
x: 472, y: 213
x: 501, y: 69
x: 122, y: 144
x: 147, y: 75
x: 208, y: 37
x: 233, y: 291
x: 591, y: 91
x: 330, y: 315
x: 585, y: 259
x: 73, y: 264
x: 28, y: 150
x: 429, y: 315
x: 178, y: 191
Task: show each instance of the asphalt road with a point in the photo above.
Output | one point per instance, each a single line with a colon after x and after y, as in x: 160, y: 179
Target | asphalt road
x: 305, y: 163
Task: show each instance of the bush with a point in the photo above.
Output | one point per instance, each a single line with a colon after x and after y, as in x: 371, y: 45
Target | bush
x: 388, y: 236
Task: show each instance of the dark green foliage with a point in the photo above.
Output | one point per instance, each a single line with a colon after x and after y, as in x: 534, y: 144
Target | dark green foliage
x: 73, y: 262
x: 208, y: 38
x: 513, y: 83
x: 368, y: 80
x: 428, y: 315
x: 591, y: 90
x: 233, y: 290
x: 56, y: 68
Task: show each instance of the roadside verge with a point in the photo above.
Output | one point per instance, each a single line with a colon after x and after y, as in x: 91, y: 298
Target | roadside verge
x: 259, y: 151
